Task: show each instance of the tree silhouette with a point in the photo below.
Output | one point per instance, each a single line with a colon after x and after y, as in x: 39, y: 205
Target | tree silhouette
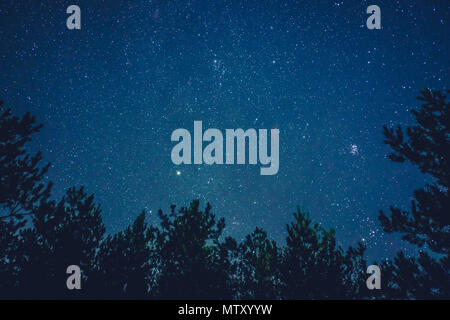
x: 63, y: 234
x: 21, y: 186
x: 22, y: 190
x: 191, y: 264
x: 421, y: 277
x: 123, y: 266
x: 9, y: 263
x: 427, y: 146
x: 256, y: 267
x: 314, y: 268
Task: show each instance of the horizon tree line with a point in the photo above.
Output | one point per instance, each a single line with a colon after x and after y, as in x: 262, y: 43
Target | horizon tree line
x: 186, y: 256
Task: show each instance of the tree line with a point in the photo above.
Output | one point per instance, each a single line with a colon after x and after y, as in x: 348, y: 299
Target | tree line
x: 186, y: 255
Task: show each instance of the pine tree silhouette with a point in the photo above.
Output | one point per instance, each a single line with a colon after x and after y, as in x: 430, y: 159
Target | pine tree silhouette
x: 192, y: 266
x: 421, y: 277
x: 21, y: 185
x: 22, y: 190
x: 313, y: 267
x: 123, y: 267
x: 427, y: 146
x: 256, y: 267
x: 64, y: 234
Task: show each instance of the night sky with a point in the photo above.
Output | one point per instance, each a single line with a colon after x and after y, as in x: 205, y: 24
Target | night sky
x: 110, y: 95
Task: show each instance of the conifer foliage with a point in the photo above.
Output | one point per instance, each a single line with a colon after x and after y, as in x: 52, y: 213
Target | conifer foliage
x: 426, y: 145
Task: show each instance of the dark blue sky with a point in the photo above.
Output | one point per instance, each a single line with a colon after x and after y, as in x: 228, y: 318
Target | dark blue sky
x: 111, y: 94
